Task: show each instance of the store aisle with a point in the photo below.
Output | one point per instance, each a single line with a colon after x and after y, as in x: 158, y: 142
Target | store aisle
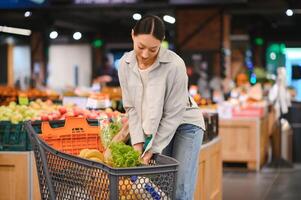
x: 269, y: 184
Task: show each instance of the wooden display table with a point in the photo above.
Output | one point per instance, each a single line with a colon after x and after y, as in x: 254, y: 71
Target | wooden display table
x: 14, y: 175
x: 209, y: 179
x: 18, y: 177
x: 245, y: 140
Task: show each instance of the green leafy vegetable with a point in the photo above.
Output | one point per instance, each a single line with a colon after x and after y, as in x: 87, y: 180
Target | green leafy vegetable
x: 124, y: 155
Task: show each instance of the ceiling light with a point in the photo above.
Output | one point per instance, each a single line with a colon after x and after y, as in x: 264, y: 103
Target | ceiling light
x: 12, y: 30
x: 137, y: 16
x: 169, y: 19
x: 27, y: 14
x: 53, y: 35
x: 289, y: 12
x: 77, y: 35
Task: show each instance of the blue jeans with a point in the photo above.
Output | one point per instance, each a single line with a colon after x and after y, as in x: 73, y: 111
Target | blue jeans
x: 185, y: 147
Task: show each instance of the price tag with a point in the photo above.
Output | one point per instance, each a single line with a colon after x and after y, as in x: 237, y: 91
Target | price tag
x: 92, y: 103
x: 98, y: 104
x: 79, y: 101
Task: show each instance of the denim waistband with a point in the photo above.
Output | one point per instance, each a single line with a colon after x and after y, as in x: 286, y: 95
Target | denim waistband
x: 188, y: 126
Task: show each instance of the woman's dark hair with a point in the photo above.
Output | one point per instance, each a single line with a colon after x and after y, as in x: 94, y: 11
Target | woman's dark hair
x: 150, y: 24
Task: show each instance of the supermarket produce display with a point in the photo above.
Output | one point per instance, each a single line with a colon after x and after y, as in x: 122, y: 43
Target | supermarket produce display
x: 43, y: 110
x: 10, y: 94
x: 12, y: 135
x: 104, y: 145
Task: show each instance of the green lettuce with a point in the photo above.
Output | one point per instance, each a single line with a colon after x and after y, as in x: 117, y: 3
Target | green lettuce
x: 124, y: 155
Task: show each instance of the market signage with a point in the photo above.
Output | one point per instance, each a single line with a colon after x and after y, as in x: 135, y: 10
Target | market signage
x: 104, y: 1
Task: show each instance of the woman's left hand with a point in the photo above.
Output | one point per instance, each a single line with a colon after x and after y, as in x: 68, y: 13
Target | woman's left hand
x: 147, y: 156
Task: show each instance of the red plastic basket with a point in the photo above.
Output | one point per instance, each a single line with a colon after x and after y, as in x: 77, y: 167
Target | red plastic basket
x: 74, y: 136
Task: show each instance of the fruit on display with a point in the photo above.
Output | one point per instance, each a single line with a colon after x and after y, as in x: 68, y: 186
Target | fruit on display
x: 113, y: 92
x: 17, y: 113
x: 45, y: 94
x: 7, y: 94
x: 10, y: 94
x: 204, y: 102
x: 47, y: 111
x: 36, y: 110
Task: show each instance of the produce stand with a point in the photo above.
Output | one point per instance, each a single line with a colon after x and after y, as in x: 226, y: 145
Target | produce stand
x: 245, y: 140
x: 210, y: 173
x: 15, y: 175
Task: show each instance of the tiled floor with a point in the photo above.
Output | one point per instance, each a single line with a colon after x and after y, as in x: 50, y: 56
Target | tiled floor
x: 268, y: 184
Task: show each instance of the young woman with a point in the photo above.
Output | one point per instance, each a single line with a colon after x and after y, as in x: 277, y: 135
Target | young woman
x: 155, y: 96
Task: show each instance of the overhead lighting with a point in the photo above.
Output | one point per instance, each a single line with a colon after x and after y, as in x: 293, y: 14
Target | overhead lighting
x: 289, y: 12
x: 53, y: 35
x: 12, y: 30
x: 169, y: 19
x: 77, y: 35
x: 137, y: 16
x: 27, y: 14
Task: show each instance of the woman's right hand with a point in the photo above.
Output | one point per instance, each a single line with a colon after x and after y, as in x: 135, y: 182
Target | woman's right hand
x: 138, y: 147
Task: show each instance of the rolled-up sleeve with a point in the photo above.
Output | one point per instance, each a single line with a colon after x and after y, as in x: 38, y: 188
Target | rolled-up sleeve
x: 174, y: 108
x: 135, y: 127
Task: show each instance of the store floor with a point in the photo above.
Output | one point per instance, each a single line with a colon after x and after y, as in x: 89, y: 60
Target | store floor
x: 268, y: 184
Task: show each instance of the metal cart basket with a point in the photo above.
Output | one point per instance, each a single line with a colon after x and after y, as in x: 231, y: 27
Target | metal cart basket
x: 64, y: 176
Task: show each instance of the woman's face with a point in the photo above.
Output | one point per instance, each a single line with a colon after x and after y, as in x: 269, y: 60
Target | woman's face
x: 146, y: 48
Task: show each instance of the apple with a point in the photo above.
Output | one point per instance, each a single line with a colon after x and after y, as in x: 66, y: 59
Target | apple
x: 36, y: 118
x: 50, y: 117
x: 63, y: 117
x: 44, y: 118
x: 69, y: 114
x: 62, y: 110
x: 77, y: 111
x: 92, y: 116
x: 56, y: 116
x: 48, y: 102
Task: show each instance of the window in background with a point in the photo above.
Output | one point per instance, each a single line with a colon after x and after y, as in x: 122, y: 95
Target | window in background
x: 21, y: 60
x: 69, y: 66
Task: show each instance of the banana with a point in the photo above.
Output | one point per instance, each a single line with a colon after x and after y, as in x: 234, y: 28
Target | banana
x: 83, y: 152
x: 95, y: 159
x: 94, y: 153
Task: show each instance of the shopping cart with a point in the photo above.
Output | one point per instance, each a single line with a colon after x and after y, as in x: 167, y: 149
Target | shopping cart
x: 64, y: 176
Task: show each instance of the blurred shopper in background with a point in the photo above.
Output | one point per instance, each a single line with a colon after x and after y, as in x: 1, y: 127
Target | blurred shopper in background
x: 162, y: 116
x: 107, y: 74
x: 279, y: 95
